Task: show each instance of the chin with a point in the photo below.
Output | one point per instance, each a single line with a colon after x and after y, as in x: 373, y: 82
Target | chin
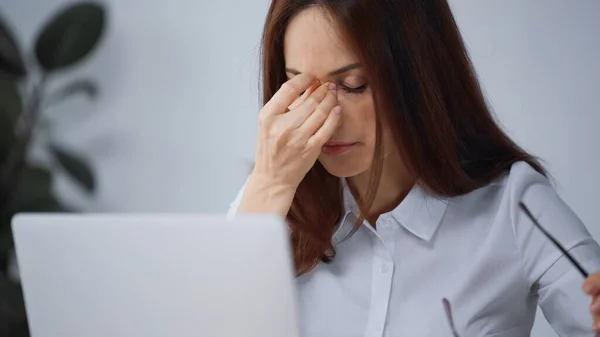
x: 345, y: 167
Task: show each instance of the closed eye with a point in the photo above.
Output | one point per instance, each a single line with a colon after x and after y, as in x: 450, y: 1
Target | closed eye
x: 353, y: 90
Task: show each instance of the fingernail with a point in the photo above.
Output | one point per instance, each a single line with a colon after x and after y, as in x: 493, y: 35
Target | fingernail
x: 587, y: 287
x: 337, y: 110
x: 332, y: 86
x: 597, y: 327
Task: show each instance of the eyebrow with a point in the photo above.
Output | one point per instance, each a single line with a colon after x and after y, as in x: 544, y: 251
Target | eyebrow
x: 332, y: 73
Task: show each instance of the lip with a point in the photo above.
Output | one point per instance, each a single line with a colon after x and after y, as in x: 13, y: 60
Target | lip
x: 335, y: 148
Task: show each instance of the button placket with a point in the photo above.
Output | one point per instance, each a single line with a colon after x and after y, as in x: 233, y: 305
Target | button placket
x: 382, y: 274
x: 383, y: 270
x: 386, y: 231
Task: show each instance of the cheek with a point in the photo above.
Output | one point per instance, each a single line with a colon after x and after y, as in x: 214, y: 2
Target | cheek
x: 358, y: 116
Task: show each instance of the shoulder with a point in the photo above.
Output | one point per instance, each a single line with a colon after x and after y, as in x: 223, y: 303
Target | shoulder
x: 523, y: 174
x: 525, y: 185
x: 502, y: 196
x: 523, y: 181
x: 497, y: 205
x: 494, y: 209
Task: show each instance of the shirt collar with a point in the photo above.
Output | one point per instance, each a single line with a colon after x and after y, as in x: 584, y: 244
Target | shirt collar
x: 420, y: 213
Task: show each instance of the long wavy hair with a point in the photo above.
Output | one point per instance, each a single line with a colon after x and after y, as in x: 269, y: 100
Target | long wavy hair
x: 423, y: 85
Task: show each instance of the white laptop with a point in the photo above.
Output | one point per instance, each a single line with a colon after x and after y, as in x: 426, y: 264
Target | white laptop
x: 156, y: 275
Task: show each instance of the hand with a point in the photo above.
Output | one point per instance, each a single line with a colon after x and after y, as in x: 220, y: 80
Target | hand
x: 293, y: 126
x: 591, y: 286
x: 293, y: 129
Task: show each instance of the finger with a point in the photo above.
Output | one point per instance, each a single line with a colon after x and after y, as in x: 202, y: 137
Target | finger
x: 288, y: 92
x: 304, y: 95
x: 591, y: 286
x: 316, y: 119
x: 301, y: 113
x: 326, y: 131
x: 595, y: 311
x: 595, y: 306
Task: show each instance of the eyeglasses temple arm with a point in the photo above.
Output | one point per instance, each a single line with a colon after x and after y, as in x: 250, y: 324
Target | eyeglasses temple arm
x: 448, y: 310
x: 554, y: 241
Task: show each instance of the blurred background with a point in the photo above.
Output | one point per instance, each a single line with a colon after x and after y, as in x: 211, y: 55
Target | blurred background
x: 172, y: 126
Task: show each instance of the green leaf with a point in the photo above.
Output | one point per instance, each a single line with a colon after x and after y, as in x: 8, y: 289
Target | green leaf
x: 10, y: 56
x: 12, y: 311
x: 76, y: 167
x: 6, y: 239
x: 8, y: 137
x: 10, y: 97
x: 70, y: 36
x: 10, y: 109
x: 34, y: 192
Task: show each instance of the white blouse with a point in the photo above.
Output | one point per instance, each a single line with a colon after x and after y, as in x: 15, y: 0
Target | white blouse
x: 477, y: 250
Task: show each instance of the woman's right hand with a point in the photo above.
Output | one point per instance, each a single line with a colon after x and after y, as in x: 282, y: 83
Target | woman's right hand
x: 293, y: 126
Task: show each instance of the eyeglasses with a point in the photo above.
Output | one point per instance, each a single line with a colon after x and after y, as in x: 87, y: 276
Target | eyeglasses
x: 448, y: 310
x: 577, y: 265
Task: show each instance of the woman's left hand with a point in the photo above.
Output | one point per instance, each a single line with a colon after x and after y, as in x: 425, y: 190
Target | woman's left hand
x: 591, y: 286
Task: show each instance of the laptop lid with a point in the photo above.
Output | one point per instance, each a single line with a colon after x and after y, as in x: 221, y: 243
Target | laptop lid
x: 155, y: 275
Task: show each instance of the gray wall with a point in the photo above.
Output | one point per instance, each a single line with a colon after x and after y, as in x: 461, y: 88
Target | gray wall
x: 174, y: 129
x: 176, y: 116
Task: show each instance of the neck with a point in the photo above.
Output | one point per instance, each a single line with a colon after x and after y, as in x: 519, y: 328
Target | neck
x: 395, y: 183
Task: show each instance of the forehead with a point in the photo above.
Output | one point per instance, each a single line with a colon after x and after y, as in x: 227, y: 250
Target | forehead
x: 313, y: 43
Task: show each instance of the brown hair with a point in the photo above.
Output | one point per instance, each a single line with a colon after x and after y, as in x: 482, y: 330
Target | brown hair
x: 423, y: 83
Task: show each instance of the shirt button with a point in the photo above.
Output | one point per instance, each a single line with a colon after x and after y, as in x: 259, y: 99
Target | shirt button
x: 384, y: 268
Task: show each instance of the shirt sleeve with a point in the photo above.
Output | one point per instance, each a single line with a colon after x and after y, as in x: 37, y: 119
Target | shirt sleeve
x: 553, y: 279
x: 235, y: 204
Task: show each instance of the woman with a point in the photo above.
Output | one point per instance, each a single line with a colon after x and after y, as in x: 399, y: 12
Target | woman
x: 377, y: 146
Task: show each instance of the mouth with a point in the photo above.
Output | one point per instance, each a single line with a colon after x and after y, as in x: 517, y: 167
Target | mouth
x: 335, y: 148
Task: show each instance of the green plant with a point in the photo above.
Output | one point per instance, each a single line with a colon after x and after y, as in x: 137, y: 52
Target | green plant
x: 69, y: 37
